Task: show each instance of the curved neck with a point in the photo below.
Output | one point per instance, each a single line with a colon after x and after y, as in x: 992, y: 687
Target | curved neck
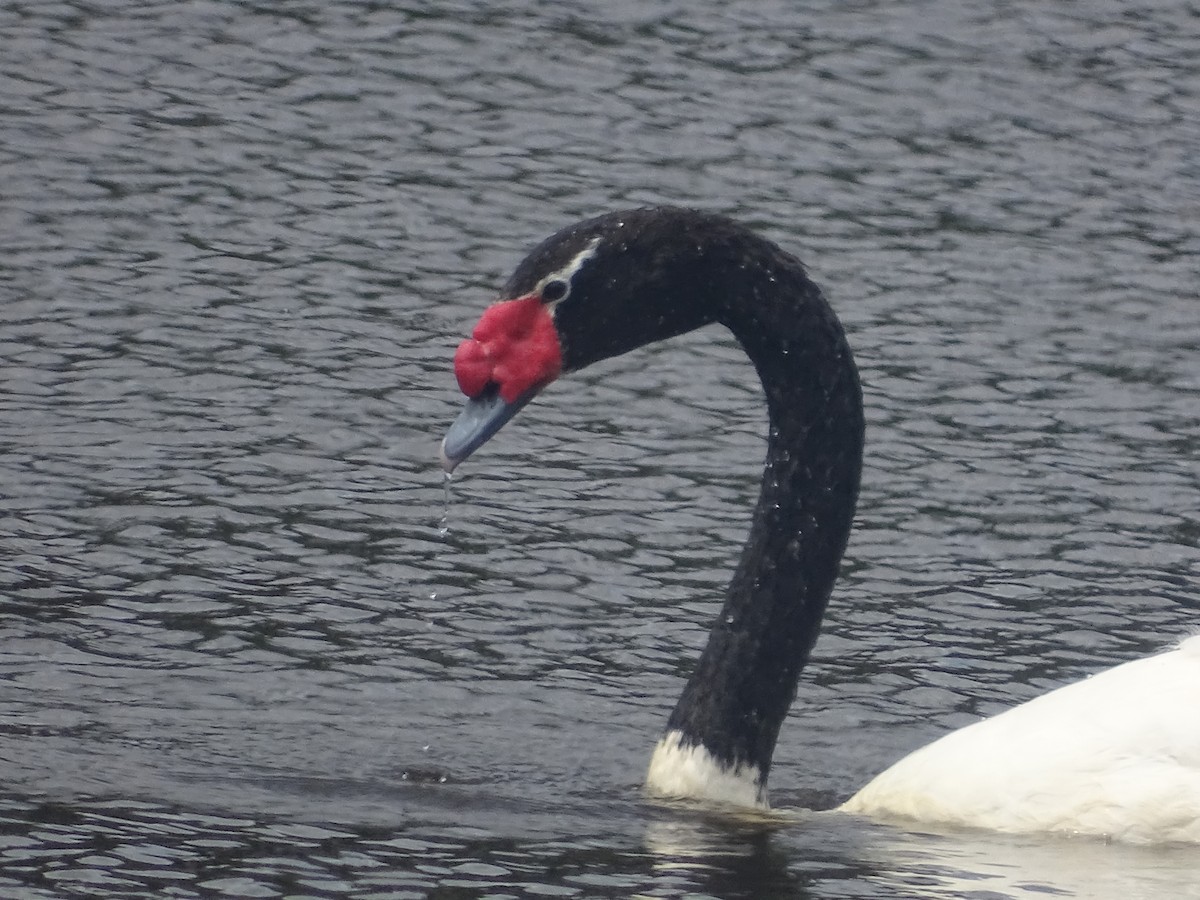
x: 738, y: 695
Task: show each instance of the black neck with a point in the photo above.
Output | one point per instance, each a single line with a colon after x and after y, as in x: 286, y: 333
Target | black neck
x: 740, y: 691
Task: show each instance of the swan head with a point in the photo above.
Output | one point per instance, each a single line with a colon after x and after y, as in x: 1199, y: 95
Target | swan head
x: 594, y: 290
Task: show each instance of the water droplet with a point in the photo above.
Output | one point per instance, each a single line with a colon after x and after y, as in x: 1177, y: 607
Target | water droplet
x: 444, y: 522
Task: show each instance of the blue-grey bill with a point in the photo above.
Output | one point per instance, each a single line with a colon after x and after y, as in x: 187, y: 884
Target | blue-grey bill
x: 481, y: 418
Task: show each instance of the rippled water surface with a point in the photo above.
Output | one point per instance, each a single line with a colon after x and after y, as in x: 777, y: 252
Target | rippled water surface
x: 240, y: 655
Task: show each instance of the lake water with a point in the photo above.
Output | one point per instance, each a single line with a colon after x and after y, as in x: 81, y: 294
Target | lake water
x: 242, y: 655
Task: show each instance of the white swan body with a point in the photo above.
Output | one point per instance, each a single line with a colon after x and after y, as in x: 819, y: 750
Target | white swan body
x: 1114, y: 755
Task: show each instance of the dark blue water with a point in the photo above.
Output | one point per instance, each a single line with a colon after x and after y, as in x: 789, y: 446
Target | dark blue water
x: 241, y: 654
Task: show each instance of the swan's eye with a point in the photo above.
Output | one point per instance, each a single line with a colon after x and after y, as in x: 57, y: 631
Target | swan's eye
x: 555, y: 290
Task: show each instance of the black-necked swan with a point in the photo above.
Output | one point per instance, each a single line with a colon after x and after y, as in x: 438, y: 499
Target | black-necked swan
x: 1117, y: 754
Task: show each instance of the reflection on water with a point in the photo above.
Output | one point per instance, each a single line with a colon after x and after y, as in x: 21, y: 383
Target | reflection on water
x: 248, y: 646
x: 113, y: 848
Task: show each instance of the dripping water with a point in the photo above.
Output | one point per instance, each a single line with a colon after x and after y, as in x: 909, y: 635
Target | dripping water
x: 444, y: 522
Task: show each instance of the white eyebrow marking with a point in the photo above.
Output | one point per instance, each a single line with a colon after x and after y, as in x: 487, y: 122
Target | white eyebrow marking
x: 568, y: 271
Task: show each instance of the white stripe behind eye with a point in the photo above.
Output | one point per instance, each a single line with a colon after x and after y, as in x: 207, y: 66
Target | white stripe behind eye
x: 567, y: 272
